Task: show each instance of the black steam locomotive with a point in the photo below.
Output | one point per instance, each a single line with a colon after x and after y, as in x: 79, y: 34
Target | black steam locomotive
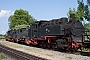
x: 56, y: 33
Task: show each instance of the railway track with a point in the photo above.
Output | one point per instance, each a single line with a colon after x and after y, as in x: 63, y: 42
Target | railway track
x: 20, y: 54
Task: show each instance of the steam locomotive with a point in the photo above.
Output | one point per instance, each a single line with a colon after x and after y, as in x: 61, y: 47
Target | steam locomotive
x: 56, y: 33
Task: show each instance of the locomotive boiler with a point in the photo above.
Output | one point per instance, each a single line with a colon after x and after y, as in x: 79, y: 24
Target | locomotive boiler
x: 56, y: 33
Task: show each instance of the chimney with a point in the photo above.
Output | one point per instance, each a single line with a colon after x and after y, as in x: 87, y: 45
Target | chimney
x: 72, y: 16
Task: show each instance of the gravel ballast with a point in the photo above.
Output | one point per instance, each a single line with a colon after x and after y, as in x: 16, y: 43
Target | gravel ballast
x: 49, y: 54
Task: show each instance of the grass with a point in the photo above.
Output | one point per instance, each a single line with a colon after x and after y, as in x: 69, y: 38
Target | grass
x: 17, y: 46
x: 2, y: 56
x: 11, y: 45
x: 70, y: 57
x: 85, y: 50
x: 28, y: 49
x: 49, y: 54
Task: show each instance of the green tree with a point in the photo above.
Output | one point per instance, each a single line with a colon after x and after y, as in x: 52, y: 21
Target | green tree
x: 20, y: 17
x: 80, y: 10
x: 73, y: 11
x: 81, y: 13
x: 88, y: 2
x: 20, y: 26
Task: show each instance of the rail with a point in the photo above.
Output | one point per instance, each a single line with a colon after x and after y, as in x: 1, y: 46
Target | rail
x: 20, y: 54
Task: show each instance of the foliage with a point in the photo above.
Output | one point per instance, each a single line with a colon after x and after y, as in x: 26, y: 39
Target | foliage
x: 20, y: 17
x: 20, y: 26
x: 87, y: 26
x: 73, y: 11
x: 2, y: 36
x: 88, y: 2
x: 82, y: 12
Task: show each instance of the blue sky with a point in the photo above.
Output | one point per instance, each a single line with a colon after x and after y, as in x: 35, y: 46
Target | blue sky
x: 39, y: 9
